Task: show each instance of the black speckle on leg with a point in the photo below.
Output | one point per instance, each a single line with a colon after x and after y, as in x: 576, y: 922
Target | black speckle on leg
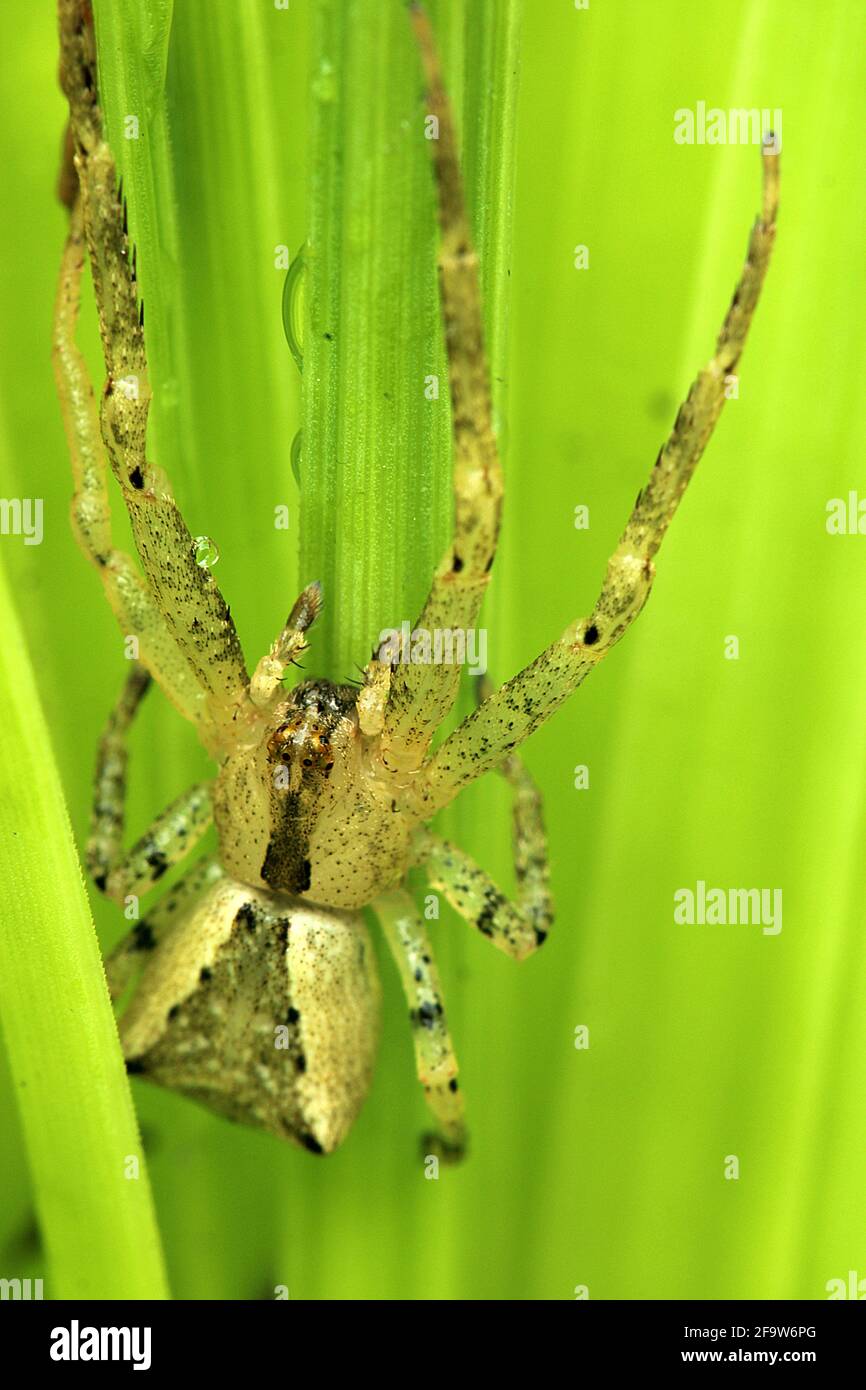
x: 157, y: 863
x: 246, y: 917
x: 485, y: 918
x: 427, y: 1014
x: 143, y: 938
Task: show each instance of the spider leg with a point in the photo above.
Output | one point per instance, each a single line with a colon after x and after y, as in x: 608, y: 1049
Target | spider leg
x: 168, y: 839
x: 422, y: 693
x: 134, y: 948
x: 128, y: 595
x: 109, y: 783
x: 434, y: 1053
x: 373, y: 697
x: 514, y: 712
x: 171, y: 836
x: 517, y: 928
x: 185, y: 592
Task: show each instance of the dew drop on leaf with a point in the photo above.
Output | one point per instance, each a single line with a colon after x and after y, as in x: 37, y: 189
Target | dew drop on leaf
x: 293, y: 309
x: 296, y: 457
x: 206, y: 552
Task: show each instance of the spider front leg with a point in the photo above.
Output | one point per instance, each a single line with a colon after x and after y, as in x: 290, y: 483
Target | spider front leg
x: 421, y: 694
x: 517, y: 709
x: 130, y: 599
x: 171, y: 836
x: 434, y: 1052
x: 184, y: 591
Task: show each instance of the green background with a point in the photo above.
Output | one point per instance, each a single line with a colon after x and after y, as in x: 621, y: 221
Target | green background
x: 602, y: 1167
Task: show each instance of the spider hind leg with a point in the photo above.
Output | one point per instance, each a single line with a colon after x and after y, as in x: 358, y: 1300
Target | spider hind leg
x: 434, y: 1052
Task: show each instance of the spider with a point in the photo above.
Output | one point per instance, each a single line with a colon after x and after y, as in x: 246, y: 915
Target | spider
x: 256, y: 989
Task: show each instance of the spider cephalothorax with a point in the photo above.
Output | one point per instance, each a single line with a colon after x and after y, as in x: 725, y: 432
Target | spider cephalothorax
x: 308, y: 808
x: 318, y: 715
x: 259, y: 993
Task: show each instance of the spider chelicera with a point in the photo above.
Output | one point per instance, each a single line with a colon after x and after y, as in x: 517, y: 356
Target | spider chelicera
x: 258, y: 994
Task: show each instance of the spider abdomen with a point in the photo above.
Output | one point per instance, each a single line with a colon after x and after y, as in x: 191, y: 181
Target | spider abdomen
x: 263, y: 1008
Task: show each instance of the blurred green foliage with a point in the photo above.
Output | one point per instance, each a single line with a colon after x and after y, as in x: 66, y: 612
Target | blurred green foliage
x: 601, y: 1167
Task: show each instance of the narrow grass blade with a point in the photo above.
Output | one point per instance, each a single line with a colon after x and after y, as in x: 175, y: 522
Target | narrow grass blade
x: 89, y: 1178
